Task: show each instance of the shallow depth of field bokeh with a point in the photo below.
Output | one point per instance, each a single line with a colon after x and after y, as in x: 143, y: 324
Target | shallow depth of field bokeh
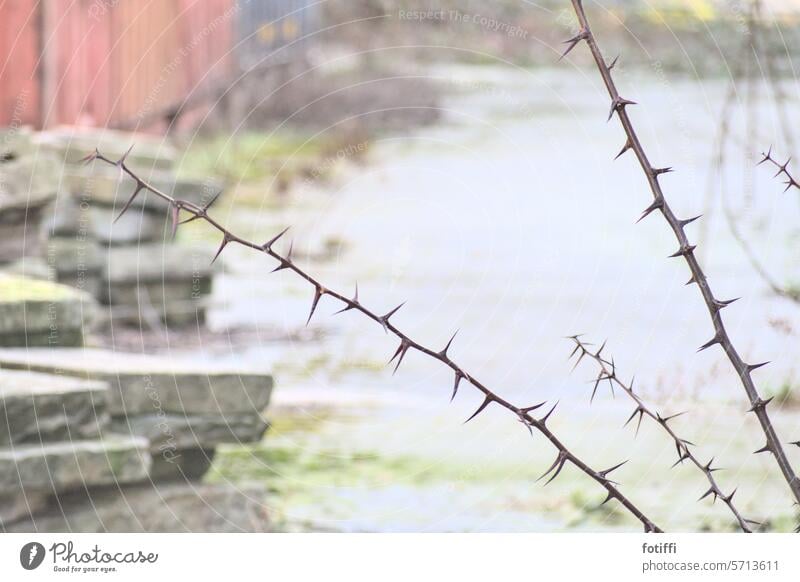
x: 440, y: 155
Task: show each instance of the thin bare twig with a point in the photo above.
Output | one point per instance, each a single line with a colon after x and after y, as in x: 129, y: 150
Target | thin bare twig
x: 285, y: 262
x: 686, y: 250
x: 608, y: 373
x: 750, y: 48
x: 718, y: 151
x: 773, y: 75
x: 755, y: 262
x: 783, y: 169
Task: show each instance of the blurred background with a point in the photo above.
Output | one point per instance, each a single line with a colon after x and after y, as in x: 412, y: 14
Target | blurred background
x: 439, y: 154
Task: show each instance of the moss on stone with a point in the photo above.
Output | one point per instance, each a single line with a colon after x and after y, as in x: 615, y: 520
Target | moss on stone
x: 16, y: 289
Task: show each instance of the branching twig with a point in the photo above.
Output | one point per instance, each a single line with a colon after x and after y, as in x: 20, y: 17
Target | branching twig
x: 686, y: 250
x: 285, y: 262
x: 783, y: 169
x: 755, y: 262
x: 608, y: 373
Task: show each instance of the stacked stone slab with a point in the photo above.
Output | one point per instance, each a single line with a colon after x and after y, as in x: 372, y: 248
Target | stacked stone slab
x: 157, y: 281
x: 28, y: 185
x: 50, y: 442
x: 39, y: 313
x: 93, y: 440
x: 157, y: 507
x: 128, y: 263
x: 98, y: 441
x: 173, y: 414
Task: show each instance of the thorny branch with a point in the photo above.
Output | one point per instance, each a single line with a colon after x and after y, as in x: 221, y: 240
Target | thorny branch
x: 686, y: 250
x: 608, y: 373
x: 783, y: 169
x: 790, y: 182
x: 285, y: 262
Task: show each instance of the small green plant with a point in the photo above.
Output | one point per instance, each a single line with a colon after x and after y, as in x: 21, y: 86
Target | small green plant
x: 250, y: 157
x: 786, y: 395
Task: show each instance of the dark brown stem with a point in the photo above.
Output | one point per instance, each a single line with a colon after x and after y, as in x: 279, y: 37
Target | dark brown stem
x: 285, y: 262
x: 783, y: 170
x: 686, y: 250
x: 608, y: 373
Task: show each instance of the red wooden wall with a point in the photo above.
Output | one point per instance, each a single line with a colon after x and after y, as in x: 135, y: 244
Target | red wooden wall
x: 109, y: 62
x: 19, y: 52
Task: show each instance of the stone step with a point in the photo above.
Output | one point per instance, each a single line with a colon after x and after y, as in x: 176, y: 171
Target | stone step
x: 15, y: 142
x: 155, y: 263
x: 21, y: 505
x: 71, y: 145
x: 155, y: 282
x: 20, y: 223
x: 41, y: 313
x: 191, y: 431
x: 29, y: 180
x: 70, y: 465
x: 173, y: 507
x: 157, y: 294
x: 77, y: 261
x: 101, y: 186
x: 74, y: 254
x: 37, y: 408
x: 172, y: 314
x: 79, y: 217
x: 95, y: 199
x: 146, y: 384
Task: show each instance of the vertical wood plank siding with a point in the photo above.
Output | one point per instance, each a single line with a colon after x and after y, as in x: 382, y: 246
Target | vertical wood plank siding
x: 19, y: 54
x: 116, y: 62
